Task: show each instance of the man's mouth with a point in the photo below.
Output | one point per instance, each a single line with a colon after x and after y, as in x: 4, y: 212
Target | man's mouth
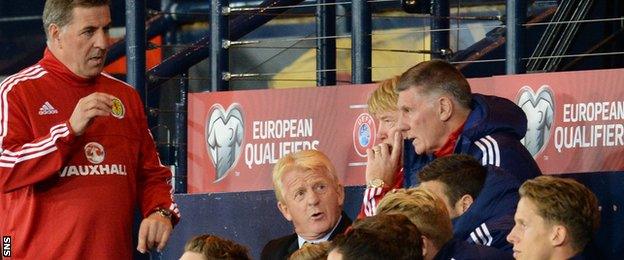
x: 98, y: 59
x: 317, y: 216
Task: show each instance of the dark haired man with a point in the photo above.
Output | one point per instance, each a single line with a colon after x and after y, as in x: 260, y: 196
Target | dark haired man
x: 77, y: 157
x: 481, y: 200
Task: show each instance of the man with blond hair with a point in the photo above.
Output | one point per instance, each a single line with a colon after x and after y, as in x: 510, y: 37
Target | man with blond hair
x: 429, y: 214
x: 383, y: 167
x: 555, y: 219
x: 309, y: 195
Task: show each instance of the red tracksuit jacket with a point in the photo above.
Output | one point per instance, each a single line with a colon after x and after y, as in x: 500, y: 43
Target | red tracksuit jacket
x: 64, y: 196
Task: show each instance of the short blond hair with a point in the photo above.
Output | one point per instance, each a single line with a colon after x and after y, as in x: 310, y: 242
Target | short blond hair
x: 311, y: 252
x: 306, y: 160
x: 565, y: 202
x: 424, y: 209
x: 384, y: 98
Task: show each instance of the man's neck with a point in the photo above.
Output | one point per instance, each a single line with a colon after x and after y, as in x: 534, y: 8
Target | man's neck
x: 563, y: 252
x: 454, y: 130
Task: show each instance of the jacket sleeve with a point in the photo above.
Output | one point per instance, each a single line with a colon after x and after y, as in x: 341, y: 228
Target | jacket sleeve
x: 26, y: 159
x: 493, y: 234
x: 507, y: 153
x: 155, y: 188
x: 372, y: 196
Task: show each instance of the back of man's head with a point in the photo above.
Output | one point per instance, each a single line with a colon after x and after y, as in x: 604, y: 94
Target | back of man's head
x: 565, y: 202
x: 424, y: 209
x: 59, y: 12
x: 311, y: 252
x: 213, y: 247
x: 384, y: 98
x: 437, y: 76
x: 380, y: 237
x: 461, y: 174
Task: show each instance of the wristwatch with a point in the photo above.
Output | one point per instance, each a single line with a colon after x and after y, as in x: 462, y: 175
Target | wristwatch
x: 163, y: 212
x: 375, y: 183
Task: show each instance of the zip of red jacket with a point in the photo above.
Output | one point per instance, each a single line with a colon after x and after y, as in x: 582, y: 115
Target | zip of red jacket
x: 64, y: 196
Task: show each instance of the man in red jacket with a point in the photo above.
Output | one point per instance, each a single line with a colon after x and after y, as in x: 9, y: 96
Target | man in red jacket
x: 76, y: 155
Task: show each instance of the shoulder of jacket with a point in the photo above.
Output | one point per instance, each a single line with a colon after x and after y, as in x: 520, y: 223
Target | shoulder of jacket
x: 120, y: 82
x: 30, y: 74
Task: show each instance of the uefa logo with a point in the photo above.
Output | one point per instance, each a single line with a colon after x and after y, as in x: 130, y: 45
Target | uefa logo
x: 363, y: 134
x: 539, y: 108
x: 224, y: 137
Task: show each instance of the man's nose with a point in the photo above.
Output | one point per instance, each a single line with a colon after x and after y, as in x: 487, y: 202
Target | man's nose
x: 511, y: 238
x: 381, y: 134
x: 402, y: 125
x: 312, y: 198
x: 101, y: 40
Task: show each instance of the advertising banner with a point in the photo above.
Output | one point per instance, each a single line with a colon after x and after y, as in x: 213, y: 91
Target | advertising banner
x: 575, y: 124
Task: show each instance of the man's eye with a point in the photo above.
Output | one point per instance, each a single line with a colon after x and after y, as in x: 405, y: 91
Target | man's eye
x: 299, y: 195
x: 321, y: 188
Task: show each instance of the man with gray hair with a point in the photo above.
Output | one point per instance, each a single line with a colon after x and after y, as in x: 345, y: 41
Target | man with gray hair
x: 76, y: 156
x: 441, y: 116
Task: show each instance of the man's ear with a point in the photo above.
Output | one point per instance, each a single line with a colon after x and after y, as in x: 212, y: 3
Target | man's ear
x: 426, y: 245
x: 54, y: 32
x: 340, y: 195
x: 559, y: 235
x: 445, y: 108
x: 462, y: 205
x: 284, y: 209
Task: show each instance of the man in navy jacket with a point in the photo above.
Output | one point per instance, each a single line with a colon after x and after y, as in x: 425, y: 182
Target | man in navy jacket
x: 428, y: 213
x: 440, y: 116
x: 481, y: 200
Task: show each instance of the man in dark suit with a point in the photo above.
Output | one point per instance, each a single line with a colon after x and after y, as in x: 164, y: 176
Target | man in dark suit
x: 309, y: 195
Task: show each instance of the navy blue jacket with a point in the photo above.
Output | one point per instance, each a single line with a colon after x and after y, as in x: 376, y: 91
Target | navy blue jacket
x: 489, y: 219
x: 462, y: 250
x: 491, y: 134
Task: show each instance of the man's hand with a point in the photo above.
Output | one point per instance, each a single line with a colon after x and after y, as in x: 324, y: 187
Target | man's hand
x: 154, y: 231
x: 383, y: 161
x: 96, y: 104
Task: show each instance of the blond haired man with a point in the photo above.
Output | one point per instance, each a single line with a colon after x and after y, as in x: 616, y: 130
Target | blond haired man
x: 309, y: 195
x: 555, y: 219
x: 429, y: 214
x: 383, y: 167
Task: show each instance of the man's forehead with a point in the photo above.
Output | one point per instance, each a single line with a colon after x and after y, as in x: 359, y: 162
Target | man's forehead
x: 387, y: 115
x: 86, y: 18
x: 528, y: 208
x: 299, y: 176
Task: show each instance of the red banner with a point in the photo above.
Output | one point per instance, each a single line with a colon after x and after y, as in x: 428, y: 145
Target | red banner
x: 575, y: 125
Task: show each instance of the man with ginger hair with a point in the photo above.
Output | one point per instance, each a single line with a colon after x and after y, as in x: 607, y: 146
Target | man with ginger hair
x: 208, y: 247
x: 429, y: 214
x: 555, y: 219
x: 391, y: 236
x: 309, y: 195
x: 384, y: 169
